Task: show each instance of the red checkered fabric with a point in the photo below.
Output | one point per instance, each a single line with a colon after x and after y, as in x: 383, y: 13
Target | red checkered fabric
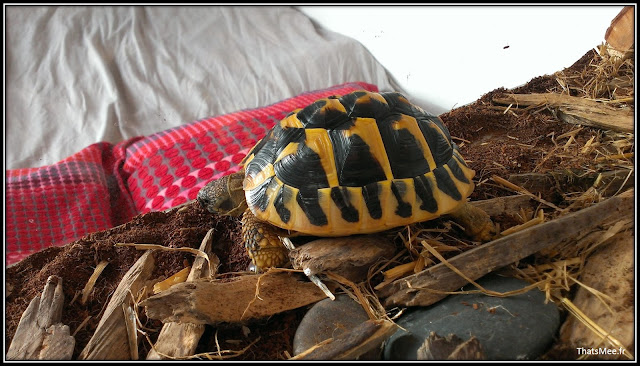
x: 105, y: 185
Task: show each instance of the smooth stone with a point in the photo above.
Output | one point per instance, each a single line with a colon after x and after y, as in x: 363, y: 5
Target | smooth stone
x: 519, y: 327
x: 328, y: 319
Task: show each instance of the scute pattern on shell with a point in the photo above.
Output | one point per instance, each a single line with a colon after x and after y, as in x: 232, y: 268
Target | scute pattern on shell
x: 361, y: 163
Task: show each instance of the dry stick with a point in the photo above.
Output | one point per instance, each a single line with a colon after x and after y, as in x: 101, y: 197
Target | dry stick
x: 178, y: 277
x: 484, y: 259
x: 81, y: 325
x: 351, y: 344
x: 132, y: 331
x: 519, y: 189
x: 92, y: 281
x: 576, y: 110
x: 534, y: 221
x: 615, y: 156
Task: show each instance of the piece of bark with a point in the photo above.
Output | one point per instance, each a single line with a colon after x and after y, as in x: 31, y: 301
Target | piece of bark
x: 40, y: 335
x: 509, y: 205
x: 576, y: 110
x: 349, y: 256
x: 621, y: 34
x: 181, y: 339
x: 234, y: 300
x: 574, y: 181
x: 110, y: 340
x: 608, y: 270
x: 417, y: 289
x: 450, y: 348
x: 58, y: 344
x: 351, y: 344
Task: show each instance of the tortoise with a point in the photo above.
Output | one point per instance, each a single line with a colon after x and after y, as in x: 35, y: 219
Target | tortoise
x: 360, y: 163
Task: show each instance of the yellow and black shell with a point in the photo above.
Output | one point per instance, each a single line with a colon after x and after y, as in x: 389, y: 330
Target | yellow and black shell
x: 361, y: 163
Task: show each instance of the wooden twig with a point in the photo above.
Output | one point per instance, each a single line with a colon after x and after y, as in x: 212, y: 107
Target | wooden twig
x: 576, y: 110
x: 92, y: 281
x: 426, y: 287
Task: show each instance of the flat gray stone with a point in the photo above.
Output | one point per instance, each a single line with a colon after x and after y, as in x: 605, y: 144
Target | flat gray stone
x: 327, y: 319
x: 518, y: 327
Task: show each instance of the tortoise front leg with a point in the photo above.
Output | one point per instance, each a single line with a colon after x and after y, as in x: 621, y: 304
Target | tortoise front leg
x: 263, y: 245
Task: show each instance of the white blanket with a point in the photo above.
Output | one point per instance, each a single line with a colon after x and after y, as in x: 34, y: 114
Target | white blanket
x: 77, y: 75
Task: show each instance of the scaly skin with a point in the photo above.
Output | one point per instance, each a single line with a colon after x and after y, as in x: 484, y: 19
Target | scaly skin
x: 262, y: 242
x: 225, y: 196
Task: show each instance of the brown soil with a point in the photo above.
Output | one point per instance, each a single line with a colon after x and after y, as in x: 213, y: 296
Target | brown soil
x: 494, y: 143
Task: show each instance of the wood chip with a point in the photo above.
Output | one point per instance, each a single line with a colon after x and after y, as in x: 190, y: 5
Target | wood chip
x: 620, y: 34
x: 349, y: 256
x: 92, y: 281
x: 40, y: 335
x: 234, y: 300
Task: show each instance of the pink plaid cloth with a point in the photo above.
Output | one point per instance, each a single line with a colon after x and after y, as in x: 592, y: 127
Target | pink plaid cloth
x: 105, y: 185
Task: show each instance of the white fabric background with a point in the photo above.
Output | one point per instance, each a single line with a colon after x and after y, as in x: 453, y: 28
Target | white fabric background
x: 76, y: 75
x: 446, y: 56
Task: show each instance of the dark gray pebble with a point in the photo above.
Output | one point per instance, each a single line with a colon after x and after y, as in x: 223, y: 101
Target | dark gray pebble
x: 518, y: 327
x: 328, y: 319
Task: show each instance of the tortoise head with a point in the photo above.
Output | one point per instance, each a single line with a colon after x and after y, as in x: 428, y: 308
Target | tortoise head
x: 224, y: 196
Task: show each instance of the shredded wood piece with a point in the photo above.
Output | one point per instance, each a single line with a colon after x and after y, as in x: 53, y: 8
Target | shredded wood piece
x: 92, y: 281
x: 81, y: 325
x: 398, y: 271
x: 178, y: 277
x: 130, y: 324
x: 616, y: 156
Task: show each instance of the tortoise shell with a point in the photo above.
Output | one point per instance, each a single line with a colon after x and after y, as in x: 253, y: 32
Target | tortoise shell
x: 361, y: 163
